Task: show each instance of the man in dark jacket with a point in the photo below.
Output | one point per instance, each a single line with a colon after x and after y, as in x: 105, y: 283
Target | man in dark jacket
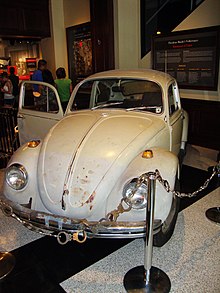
x: 15, y: 82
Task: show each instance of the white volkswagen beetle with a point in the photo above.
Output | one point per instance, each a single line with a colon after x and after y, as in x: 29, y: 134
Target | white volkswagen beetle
x: 71, y: 179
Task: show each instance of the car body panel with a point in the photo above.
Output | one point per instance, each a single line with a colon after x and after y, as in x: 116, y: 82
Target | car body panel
x: 100, y: 139
x: 82, y: 167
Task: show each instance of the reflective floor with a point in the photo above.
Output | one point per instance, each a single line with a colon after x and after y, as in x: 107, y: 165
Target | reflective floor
x: 191, y: 258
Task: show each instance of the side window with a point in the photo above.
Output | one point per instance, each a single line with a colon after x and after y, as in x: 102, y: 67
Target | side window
x: 40, y: 98
x: 172, y: 99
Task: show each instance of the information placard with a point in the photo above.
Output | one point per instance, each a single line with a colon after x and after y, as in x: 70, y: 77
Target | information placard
x: 79, y: 43
x: 192, y: 57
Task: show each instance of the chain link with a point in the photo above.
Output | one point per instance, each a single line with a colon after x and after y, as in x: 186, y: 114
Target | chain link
x: 166, y: 185
x: 113, y: 215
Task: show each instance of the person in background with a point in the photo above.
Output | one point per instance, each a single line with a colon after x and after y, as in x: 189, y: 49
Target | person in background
x: 7, y: 89
x: 64, y: 86
x: 40, y: 92
x: 47, y: 76
x: 15, y: 82
x: 43, y: 73
x: 38, y: 74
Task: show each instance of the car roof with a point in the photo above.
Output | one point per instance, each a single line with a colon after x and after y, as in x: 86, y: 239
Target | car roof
x: 149, y: 74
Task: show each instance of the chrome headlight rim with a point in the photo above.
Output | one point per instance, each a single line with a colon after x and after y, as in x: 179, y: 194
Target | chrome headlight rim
x: 16, y: 176
x: 136, y: 200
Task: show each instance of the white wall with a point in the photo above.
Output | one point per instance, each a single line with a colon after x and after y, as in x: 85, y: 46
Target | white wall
x: 47, y: 47
x: 59, y: 34
x: 127, y: 28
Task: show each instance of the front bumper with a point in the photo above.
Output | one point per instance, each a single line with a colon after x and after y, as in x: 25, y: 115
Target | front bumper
x: 50, y: 224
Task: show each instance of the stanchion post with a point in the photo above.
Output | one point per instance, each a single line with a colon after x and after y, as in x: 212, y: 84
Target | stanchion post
x: 148, y: 278
x: 148, y: 252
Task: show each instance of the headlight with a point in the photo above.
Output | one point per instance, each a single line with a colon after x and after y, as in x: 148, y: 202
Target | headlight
x: 135, y: 198
x: 16, y: 176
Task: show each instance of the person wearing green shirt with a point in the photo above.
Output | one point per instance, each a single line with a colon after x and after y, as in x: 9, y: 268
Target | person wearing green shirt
x: 64, y: 86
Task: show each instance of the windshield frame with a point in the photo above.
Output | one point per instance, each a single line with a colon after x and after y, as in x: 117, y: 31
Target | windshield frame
x: 112, y: 86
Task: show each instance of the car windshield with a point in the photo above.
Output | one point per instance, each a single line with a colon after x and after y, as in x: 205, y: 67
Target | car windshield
x: 129, y: 94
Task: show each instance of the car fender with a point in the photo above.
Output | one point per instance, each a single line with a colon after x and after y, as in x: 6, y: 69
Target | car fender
x: 167, y: 164
x: 27, y: 157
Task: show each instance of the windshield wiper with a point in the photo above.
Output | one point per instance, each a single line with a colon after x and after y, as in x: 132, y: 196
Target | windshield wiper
x: 106, y: 105
x: 142, y: 108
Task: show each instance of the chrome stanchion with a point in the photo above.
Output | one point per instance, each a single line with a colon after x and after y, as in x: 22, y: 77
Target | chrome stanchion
x: 148, y: 278
x: 7, y: 263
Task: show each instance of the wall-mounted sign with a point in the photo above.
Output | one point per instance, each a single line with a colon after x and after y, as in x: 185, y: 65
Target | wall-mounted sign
x: 79, y: 45
x: 31, y: 62
x: 192, y: 57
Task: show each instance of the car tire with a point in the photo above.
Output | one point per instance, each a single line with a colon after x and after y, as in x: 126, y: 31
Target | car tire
x: 168, y: 226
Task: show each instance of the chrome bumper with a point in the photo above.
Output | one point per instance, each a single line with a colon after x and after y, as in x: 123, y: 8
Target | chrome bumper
x: 49, y: 224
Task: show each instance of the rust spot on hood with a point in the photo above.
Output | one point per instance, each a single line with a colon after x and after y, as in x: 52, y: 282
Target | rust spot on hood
x: 84, y: 181
x: 91, y: 198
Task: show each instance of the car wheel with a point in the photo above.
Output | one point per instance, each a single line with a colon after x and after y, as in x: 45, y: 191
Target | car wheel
x: 168, y: 226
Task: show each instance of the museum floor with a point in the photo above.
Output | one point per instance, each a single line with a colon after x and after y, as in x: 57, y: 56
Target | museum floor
x: 191, y: 258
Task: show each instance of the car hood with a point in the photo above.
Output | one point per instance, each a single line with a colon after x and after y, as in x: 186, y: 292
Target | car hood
x: 83, y: 156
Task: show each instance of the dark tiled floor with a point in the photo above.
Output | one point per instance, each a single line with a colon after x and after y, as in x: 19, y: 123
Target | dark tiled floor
x: 42, y: 264
x: 191, y: 179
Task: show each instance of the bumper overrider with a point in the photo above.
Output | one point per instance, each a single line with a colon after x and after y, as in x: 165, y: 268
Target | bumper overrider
x: 67, y: 229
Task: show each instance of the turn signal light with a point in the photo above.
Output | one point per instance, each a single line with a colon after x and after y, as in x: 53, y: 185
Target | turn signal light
x: 33, y: 143
x: 147, y: 154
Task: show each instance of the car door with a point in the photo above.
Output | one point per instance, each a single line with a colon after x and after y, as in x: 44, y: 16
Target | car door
x: 39, y: 109
x: 175, y: 117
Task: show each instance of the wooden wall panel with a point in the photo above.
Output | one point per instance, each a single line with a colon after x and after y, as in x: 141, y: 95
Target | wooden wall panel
x: 204, y: 122
x: 102, y: 26
x: 25, y: 19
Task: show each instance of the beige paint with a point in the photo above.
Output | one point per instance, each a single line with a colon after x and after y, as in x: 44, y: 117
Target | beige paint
x: 127, y: 28
x: 76, y: 12
x: 206, y: 15
x: 47, y: 47
x: 59, y: 34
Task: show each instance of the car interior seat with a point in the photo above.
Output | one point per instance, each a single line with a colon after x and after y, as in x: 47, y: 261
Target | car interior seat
x: 150, y: 99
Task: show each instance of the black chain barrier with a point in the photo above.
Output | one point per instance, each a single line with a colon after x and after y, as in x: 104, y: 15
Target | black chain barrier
x: 166, y: 185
